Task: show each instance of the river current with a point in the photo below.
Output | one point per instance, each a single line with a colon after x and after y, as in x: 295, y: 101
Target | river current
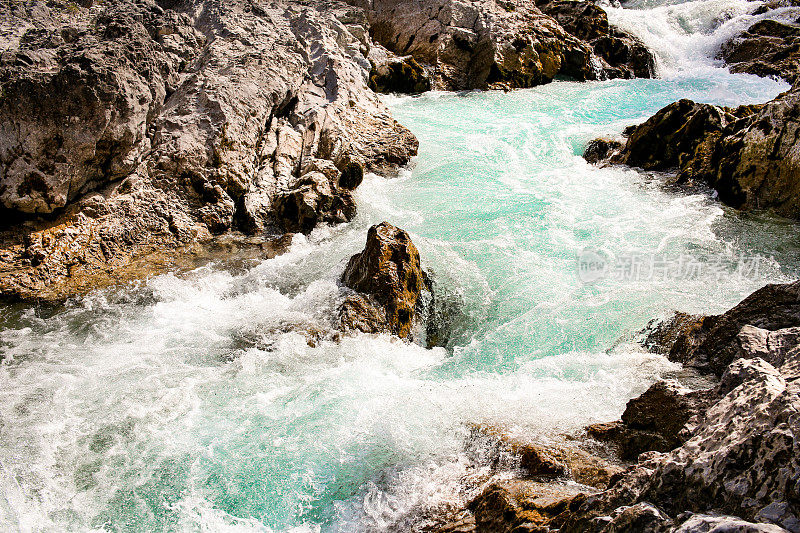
x: 194, y: 401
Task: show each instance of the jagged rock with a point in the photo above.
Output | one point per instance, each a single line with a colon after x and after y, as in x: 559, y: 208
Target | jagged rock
x: 747, y: 154
x: 661, y: 335
x: 638, y: 518
x: 600, y: 150
x: 741, y: 459
x: 621, y: 55
x: 501, y: 449
x: 716, y: 342
x: 312, y: 200
x: 402, y: 75
x: 654, y: 421
x: 700, y: 523
x: 188, y: 118
x: 388, y: 277
x: 482, y: 44
x: 520, y: 506
x: 768, y: 48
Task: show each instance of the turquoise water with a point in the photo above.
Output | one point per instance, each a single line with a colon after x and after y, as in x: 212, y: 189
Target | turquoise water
x: 194, y: 402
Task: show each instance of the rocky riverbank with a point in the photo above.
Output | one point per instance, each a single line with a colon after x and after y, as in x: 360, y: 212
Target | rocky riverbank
x: 134, y: 129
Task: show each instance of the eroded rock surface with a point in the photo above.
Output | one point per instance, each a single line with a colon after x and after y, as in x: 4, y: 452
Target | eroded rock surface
x: 139, y: 127
x: 482, y: 44
x: 768, y: 48
x: 748, y: 154
x: 388, y: 281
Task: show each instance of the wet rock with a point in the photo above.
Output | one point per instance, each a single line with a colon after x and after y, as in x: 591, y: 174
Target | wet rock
x: 768, y: 48
x: 487, y: 44
x: 600, y: 150
x: 655, y: 421
x: 700, y: 523
x: 540, y: 461
x: 402, y: 75
x: 661, y: 335
x: 720, y: 339
x: 388, y: 277
x: 747, y: 154
x: 520, y: 505
x: 620, y: 54
x: 641, y: 517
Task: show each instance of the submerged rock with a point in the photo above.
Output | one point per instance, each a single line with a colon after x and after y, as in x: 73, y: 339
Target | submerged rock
x: 388, y: 279
x: 748, y: 154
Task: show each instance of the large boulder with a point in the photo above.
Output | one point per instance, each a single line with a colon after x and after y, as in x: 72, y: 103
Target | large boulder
x: 388, y: 281
x: 768, y: 48
x: 748, y: 154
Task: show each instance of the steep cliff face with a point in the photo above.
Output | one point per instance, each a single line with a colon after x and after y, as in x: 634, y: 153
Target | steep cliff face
x: 141, y: 126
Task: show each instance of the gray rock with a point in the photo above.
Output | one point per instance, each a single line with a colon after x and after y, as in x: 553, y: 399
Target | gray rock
x: 700, y: 523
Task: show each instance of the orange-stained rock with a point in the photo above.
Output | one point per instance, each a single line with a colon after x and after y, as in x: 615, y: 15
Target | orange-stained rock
x: 389, y: 278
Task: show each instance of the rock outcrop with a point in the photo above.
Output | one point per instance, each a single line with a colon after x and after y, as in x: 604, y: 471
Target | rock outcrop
x: 768, y: 48
x: 131, y: 128
x: 748, y: 154
x: 620, y: 55
x: 763, y: 325
x: 655, y: 421
x: 481, y: 44
x: 388, y: 281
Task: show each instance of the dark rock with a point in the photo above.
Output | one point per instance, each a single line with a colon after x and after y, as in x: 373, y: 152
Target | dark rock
x: 768, y: 48
x: 404, y: 76
x: 661, y: 335
x: 715, y: 344
x: 389, y: 276
x: 621, y: 55
x: 600, y: 150
x: 747, y: 154
x: 352, y: 175
x: 655, y: 421
x: 312, y: 200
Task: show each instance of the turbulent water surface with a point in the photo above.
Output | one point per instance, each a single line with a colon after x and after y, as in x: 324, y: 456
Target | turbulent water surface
x: 195, y: 401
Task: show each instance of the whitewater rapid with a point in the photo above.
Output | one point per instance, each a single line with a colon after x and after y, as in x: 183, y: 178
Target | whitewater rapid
x: 218, y: 399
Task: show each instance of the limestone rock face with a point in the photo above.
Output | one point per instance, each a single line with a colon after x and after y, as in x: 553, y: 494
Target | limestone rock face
x: 747, y: 154
x: 145, y: 126
x: 78, y: 99
x: 478, y: 44
x: 388, y: 278
x: 768, y: 48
